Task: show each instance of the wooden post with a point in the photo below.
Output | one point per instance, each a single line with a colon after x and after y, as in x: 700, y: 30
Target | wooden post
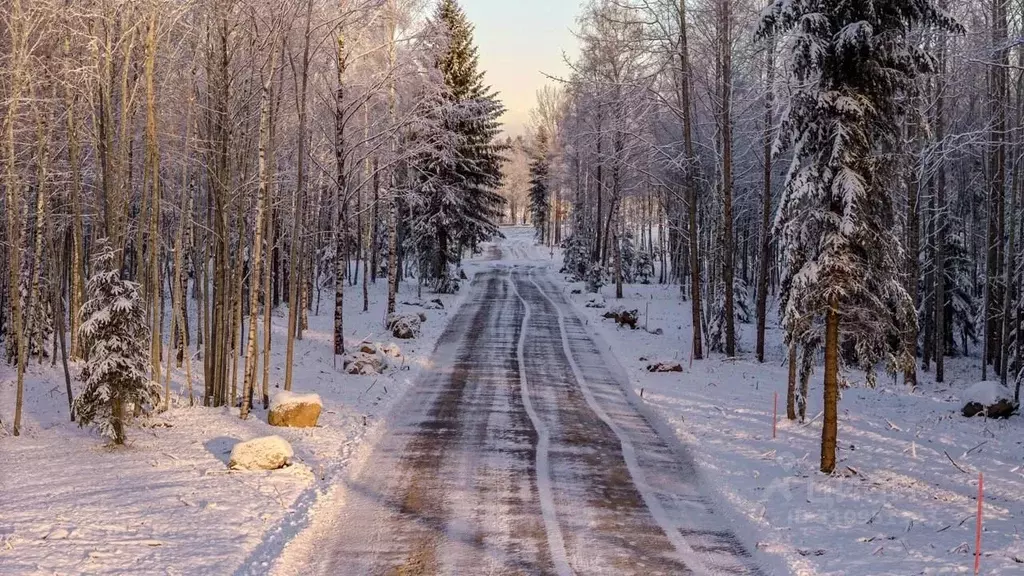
x: 977, y: 534
x: 775, y: 416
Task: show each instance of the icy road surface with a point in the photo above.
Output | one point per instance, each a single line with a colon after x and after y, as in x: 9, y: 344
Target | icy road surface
x: 520, y: 453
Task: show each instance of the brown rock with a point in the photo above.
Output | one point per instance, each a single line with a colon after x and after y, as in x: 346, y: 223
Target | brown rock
x: 1001, y: 409
x: 294, y: 410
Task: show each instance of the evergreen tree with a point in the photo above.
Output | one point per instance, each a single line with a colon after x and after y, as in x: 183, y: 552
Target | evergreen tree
x: 853, y: 68
x: 962, y: 308
x: 540, y: 205
x: 479, y: 155
x: 595, y: 277
x: 576, y: 248
x: 644, y: 267
x: 437, y: 199
x: 742, y: 312
x: 116, y: 336
x: 629, y: 258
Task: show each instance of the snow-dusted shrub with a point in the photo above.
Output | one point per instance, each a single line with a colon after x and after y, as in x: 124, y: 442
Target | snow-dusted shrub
x: 116, y: 337
x: 577, y: 257
x: 644, y: 267
x: 628, y: 257
x: 595, y: 277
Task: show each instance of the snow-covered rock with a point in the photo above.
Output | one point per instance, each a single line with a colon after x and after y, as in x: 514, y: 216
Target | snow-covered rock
x: 624, y: 317
x: 266, y: 453
x: 294, y: 410
x: 595, y: 301
x: 404, y: 326
x: 390, y: 349
x: 665, y: 366
x: 990, y: 398
x: 365, y: 364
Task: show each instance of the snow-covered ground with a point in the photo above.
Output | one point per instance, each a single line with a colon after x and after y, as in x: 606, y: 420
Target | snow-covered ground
x: 167, y: 503
x: 898, y: 506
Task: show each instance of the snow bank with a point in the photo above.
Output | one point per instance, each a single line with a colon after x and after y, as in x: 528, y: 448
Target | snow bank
x: 267, y: 453
x: 286, y: 398
x: 987, y: 393
x: 898, y: 503
x: 172, y: 484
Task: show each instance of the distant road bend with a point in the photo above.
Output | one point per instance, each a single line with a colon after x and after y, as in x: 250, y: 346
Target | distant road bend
x: 520, y: 453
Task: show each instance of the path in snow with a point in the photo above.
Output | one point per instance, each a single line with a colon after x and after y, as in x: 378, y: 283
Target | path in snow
x: 520, y: 453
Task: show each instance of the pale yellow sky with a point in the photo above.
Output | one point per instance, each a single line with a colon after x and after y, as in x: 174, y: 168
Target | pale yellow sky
x: 520, y: 41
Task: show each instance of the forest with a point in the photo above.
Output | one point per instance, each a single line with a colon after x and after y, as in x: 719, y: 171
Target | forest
x: 176, y: 171
x: 212, y: 161
x: 849, y: 170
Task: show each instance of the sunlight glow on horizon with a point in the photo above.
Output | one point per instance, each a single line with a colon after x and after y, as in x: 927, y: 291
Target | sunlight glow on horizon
x: 519, y: 42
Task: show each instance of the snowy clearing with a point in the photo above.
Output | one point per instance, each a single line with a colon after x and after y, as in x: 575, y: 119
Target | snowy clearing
x: 167, y: 503
x: 899, y: 505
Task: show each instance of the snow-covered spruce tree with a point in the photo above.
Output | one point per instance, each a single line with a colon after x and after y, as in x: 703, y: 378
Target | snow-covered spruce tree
x: 116, y: 335
x: 644, y: 267
x: 576, y: 248
x: 962, y: 308
x: 629, y: 258
x: 435, y: 193
x: 741, y: 309
x: 479, y: 154
x: 596, y: 277
x: 852, y: 70
x: 540, y: 169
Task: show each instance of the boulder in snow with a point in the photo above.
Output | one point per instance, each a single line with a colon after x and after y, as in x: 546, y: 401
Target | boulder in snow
x: 390, y: 350
x: 434, y: 304
x: 624, y: 317
x: 595, y: 301
x: 266, y: 453
x: 665, y: 366
x: 364, y: 364
x: 404, y: 326
x: 294, y: 410
x: 990, y: 398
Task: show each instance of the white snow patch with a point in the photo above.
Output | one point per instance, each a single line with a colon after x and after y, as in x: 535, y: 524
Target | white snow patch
x: 987, y: 393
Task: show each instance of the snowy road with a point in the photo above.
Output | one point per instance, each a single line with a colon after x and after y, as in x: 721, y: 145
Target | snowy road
x: 519, y: 453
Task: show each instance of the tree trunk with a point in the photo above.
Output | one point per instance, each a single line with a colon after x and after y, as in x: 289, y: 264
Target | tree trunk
x: 294, y: 278
x: 728, y: 248
x: 249, y: 381
x: 791, y: 384
x: 940, y: 229
x: 340, y: 256
x: 16, y: 69
x: 766, y: 209
x: 830, y: 426
x: 912, y: 268
x: 392, y: 192
x: 683, y: 90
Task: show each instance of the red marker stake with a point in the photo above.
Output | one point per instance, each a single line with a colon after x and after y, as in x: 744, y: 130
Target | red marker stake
x: 775, y: 416
x: 977, y: 535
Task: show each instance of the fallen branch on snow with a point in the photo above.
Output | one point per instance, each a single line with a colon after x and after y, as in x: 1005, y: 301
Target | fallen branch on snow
x: 954, y: 462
